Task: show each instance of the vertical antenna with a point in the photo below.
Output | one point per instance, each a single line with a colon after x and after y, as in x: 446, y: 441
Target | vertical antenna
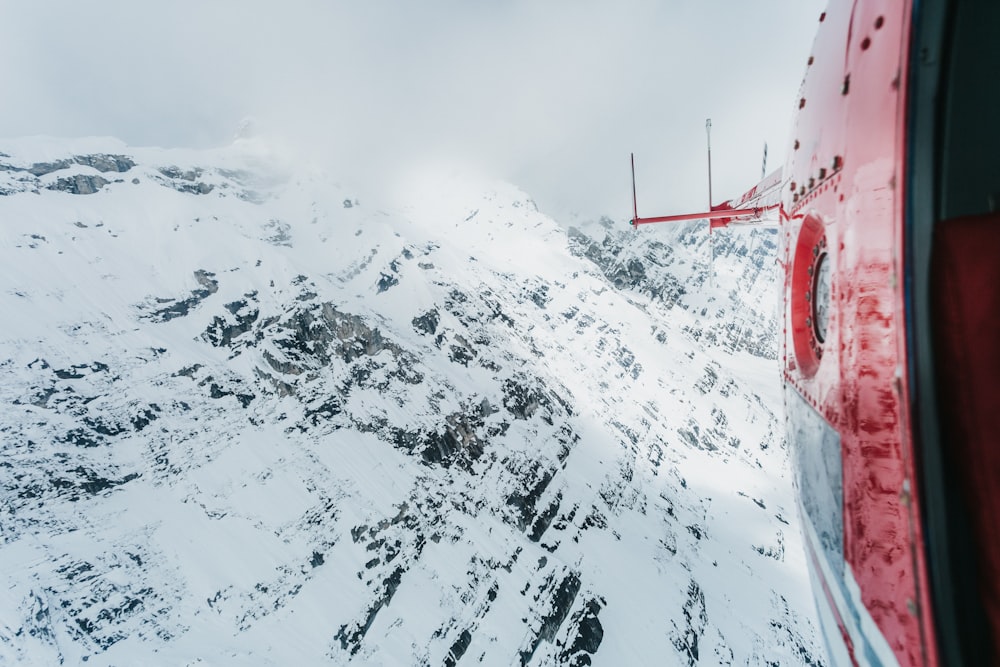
x: 708, y: 131
x: 711, y: 243
x: 635, y: 206
x: 763, y: 165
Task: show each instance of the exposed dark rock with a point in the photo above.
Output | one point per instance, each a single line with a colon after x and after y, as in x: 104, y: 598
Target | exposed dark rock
x: 104, y: 426
x: 540, y: 296
x: 89, y: 482
x: 311, y: 337
x: 146, y: 417
x: 209, y: 286
x: 458, y: 649
x: 187, y: 181
x: 73, y: 374
x: 544, y: 519
x: 280, y: 232
x: 43, y: 168
x: 459, y: 438
x: 462, y: 352
x: 708, y: 380
x: 215, y: 391
x: 106, y: 163
x: 223, y: 331
x: 350, y: 636
x: 80, y: 184
x: 325, y: 411
x: 386, y: 549
x: 524, y: 500
x: 82, y: 438
x: 521, y: 401
x: 589, y: 635
x: 386, y: 281
x: 561, y: 601
x: 177, y: 173
x: 685, y: 639
x: 428, y: 322
x: 777, y: 552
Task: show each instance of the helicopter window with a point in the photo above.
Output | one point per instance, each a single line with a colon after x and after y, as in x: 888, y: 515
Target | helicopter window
x: 819, y: 477
x: 821, y: 297
x: 970, y: 173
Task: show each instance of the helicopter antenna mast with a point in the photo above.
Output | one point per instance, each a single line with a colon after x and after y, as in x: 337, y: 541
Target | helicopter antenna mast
x: 711, y: 243
x: 635, y: 205
x: 708, y: 131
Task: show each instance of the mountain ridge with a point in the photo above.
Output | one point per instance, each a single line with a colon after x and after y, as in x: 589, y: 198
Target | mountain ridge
x: 252, y: 418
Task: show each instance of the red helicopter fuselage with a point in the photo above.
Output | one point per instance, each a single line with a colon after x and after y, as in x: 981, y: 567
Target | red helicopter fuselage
x: 891, y: 254
x: 845, y: 346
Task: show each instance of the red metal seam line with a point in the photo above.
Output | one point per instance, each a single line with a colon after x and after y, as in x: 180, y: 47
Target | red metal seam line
x: 708, y: 215
x: 844, y: 632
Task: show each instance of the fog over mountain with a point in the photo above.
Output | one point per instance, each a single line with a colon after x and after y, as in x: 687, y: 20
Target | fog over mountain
x: 552, y: 96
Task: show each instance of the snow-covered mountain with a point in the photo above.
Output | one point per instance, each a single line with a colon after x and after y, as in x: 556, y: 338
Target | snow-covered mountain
x: 248, y: 418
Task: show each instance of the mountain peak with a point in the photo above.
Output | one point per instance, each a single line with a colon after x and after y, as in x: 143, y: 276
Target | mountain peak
x: 254, y: 416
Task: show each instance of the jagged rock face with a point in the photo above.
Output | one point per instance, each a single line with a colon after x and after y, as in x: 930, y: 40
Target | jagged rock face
x: 257, y: 425
x: 684, y: 258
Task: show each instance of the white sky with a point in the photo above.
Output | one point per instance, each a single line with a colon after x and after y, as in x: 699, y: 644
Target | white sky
x: 549, y: 94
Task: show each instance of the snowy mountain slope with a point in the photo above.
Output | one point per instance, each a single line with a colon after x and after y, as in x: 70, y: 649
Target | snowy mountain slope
x: 249, y: 419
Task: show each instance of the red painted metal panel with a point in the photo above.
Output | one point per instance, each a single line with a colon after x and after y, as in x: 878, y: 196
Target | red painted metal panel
x: 846, y: 174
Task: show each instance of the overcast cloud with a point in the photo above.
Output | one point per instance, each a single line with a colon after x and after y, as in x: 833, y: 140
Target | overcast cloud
x: 551, y: 95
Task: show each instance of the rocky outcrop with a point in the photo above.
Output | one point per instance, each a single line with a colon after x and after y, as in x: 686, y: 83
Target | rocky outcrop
x: 101, y: 162
x: 744, y: 318
x: 79, y: 185
x: 179, y: 308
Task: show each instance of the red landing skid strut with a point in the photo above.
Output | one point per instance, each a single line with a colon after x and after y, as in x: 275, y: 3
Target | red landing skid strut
x: 718, y: 218
x: 750, y: 208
